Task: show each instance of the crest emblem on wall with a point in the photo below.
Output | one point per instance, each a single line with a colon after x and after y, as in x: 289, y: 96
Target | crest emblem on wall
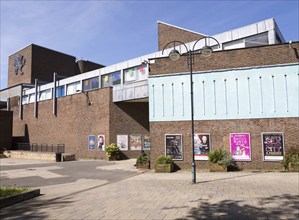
x: 19, y: 62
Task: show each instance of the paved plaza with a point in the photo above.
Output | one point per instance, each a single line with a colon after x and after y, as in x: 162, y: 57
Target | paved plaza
x: 116, y: 190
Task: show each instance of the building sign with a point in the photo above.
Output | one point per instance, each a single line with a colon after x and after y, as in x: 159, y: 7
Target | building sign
x: 122, y: 142
x: 91, y: 142
x: 135, y: 142
x: 202, y: 146
x: 147, y: 142
x: 273, y: 146
x: 101, y: 142
x: 19, y: 62
x: 240, y: 146
x: 173, y: 145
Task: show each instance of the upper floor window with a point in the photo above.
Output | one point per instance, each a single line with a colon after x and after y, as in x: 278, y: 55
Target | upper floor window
x: 90, y: 84
x: 73, y: 88
x: 136, y: 73
x: 111, y: 79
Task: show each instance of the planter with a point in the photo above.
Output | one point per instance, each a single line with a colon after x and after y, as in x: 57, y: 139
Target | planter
x: 143, y: 165
x: 293, y: 167
x: 113, y: 157
x: 163, y: 168
x: 214, y: 167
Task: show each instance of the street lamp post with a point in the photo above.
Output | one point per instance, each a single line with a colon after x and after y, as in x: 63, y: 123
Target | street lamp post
x: 174, y: 55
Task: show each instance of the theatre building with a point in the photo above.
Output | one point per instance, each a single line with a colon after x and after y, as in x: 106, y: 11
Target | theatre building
x: 245, y: 99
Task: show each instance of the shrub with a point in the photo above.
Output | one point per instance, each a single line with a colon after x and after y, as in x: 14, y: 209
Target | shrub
x: 164, y: 160
x: 291, y: 156
x: 111, y: 149
x: 221, y: 157
x: 142, y: 159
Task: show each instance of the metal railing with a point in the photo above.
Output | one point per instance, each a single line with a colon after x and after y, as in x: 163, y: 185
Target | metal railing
x: 56, y: 148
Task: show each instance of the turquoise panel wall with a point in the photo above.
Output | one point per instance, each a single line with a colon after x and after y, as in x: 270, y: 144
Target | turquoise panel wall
x: 265, y: 92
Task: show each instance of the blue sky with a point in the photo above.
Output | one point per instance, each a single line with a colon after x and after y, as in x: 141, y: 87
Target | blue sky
x: 108, y: 32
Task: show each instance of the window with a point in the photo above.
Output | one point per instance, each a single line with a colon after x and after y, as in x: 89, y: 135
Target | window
x: 116, y: 78
x: 73, y: 88
x: 46, y: 94
x: 136, y: 73
x: 31, y: 98
x: 90, y: 84
x: 111, y: 79
x: 25, y: 99
x: 60, y: 91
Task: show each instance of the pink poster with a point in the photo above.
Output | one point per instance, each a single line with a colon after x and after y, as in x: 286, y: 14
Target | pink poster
x: 240, y: 146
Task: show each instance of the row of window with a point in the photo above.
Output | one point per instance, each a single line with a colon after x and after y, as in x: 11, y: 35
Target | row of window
x: 130, y: 75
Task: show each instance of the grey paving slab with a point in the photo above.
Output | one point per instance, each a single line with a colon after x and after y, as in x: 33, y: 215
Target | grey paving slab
x: 137, y: 195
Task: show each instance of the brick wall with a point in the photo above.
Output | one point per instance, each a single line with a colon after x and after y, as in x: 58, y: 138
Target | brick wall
x: 219, y: 131
x: 168, y: 33
x: 41, y: 63
x: 5, y: 129
x: 76, y: 120
x: 245, y: 57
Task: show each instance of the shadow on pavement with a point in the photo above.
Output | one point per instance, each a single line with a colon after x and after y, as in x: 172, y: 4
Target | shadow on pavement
x: 275, y: 207
x: 32, y: 210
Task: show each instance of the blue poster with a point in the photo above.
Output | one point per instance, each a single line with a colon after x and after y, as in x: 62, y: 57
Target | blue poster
x: 91, y: 142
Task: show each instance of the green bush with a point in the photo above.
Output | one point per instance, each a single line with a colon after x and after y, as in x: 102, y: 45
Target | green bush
x: 291, y: 156
x: 221, y: 157
x: 142, y: 159
x: 164, y: 160
x: 11, y: 191
x: 111, y: 149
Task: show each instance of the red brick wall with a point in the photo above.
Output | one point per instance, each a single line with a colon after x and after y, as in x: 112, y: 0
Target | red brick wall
x: 245, y: 57
x: 219, y: 131
x: 167, y: 33
x: 76, y: 120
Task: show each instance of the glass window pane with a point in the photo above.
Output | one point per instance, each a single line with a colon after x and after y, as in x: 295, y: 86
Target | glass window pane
x: 60, y: 91
x: 116, y: 78
x: 106, y: 80
x: 94, y: 83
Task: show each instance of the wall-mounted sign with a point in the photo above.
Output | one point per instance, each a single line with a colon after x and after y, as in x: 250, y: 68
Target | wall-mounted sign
x: 122, y: 142
x: 202, y: 146
x: 240, y: 146
x: 173, y: 146
x: 135, y: 142
x: 273, y: 146
x: 91, y: 142
x: 101, y: 142
x: 19, y: 62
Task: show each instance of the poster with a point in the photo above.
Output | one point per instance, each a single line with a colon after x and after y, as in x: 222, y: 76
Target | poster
x: 91, y: 142
x: 101, y: 142
x: 135, y: 142
x: 273, y: 146
x: 240, y: 146
x: 202, y: 146
x: 147, y: 142
x: 173, y: 144
x: 122, y: 142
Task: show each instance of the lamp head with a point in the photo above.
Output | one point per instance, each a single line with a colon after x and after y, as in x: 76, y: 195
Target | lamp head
x: 206, y: 51
x: 174, y: 55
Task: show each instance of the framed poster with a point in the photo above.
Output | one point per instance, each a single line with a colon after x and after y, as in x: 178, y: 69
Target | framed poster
x: 173, y: 145
x: 122, y: 142
x: 240, y: 146
x: 273, y: 146
x: 202, y: 146
x: 147, y: 142
x: 91, y: 142
x: 135, y: 142
x: 101, y: 142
